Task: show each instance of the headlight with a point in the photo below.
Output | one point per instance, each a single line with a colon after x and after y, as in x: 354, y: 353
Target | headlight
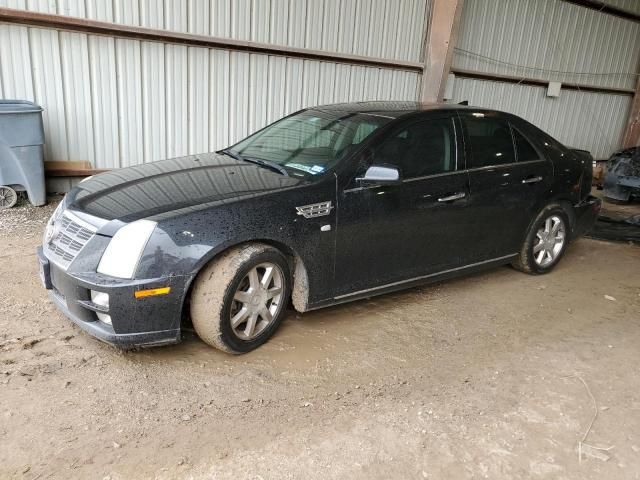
x: 123, y: 253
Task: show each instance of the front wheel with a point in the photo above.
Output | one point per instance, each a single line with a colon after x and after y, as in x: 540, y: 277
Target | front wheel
x: 239, y: 299
x: 545, y: 243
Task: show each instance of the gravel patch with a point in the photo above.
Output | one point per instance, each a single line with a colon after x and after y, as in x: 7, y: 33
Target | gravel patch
x: 24, y: 220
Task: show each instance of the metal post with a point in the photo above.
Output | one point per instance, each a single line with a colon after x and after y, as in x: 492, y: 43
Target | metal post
x: 438, y: 51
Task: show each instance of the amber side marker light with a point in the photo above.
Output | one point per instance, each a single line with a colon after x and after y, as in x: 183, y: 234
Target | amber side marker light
x: 152, y: 292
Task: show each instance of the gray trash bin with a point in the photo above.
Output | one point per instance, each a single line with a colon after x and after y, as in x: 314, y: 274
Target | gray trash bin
x: 21, y: 152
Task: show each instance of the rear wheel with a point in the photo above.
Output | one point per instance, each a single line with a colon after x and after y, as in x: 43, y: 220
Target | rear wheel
x: 546, y: 241
x: 239, y: 299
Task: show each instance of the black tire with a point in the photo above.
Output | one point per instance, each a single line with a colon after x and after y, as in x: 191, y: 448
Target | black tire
x: 212, y: 297
x: 525, y: 262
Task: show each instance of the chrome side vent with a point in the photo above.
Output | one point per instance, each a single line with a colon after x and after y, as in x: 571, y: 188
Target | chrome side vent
x: 315, y: 210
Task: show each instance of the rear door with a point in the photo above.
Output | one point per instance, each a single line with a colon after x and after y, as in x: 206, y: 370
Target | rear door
x: 508, y: 177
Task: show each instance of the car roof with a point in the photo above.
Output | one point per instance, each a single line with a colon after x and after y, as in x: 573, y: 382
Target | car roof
x: 395, y: 108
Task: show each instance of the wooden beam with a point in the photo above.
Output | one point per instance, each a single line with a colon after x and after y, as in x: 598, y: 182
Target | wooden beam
x: 94, y: 27
x: 70, y: 172
x: 70, y: 168
x: 632, y: 132
x: 440, y: 42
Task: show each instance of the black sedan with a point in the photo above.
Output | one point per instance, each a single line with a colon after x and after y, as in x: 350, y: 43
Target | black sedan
x: 328, y: 205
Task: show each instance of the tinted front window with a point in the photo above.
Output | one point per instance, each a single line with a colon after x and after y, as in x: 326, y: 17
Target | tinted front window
x: 490, y: 141
x: 312, y: 141
x: 526, y: 152
x: 422, y: 149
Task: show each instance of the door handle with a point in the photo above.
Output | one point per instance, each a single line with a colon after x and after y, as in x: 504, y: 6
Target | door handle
x: 532, y: 179
x: 451, y: 198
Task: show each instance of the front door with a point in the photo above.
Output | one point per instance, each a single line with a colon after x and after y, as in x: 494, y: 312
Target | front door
x: 390, y: 234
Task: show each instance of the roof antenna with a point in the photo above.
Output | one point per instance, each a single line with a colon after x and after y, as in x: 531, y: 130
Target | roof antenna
x: 464, y: 102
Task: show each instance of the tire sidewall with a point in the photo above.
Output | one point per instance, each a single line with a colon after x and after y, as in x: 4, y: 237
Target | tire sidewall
x: 234, y: 343
x: 549, y: 211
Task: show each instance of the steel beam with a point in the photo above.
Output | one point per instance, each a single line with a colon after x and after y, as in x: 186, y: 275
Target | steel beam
x: 95, y: 27
x: 438, y: 50
x: 632, y: 132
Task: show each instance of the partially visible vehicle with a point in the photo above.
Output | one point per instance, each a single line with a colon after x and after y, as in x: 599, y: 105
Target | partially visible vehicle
x: 622, y: 179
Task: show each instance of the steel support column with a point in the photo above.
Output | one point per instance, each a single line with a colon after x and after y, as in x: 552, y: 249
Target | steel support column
x: 438, y: 49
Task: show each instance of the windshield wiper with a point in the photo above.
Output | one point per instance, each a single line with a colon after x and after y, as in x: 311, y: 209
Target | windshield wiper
x: 268, y: 164
x: 231, y: 154
x: 258, y: 161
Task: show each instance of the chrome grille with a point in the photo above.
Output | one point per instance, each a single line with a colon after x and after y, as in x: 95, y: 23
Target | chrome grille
x: 68, y: 238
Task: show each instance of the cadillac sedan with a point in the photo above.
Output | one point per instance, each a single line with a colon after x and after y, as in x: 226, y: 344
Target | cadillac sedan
x: 328, y: 205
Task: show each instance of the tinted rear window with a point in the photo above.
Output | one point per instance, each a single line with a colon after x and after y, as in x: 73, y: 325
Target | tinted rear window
x: 490, y: 141
x: 526, y: 152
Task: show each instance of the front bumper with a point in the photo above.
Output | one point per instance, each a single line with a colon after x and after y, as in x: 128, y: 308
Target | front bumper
x: 586, y: 214
x: 142, y: 322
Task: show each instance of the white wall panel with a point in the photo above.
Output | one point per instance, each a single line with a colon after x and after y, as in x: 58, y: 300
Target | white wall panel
x: 44, y: 6
x: 130, y: 112
x: 593, y: 121
x: 198, y: 90
x: 276, y: 99
x: 220, y: 75
x: 176, y: 92
x: 15, y: 62
x: 20, y: 4
x: 76, y: 83
x: 47, y: 82
x: 104, y: 95
x: 547, y: 39
x: 278, y: 21
x: 126, y: 12
x: 259, y: 84
x: 198, y: 17
x: 220, y: 18
x: 239, y: 95
x: 154, y: 101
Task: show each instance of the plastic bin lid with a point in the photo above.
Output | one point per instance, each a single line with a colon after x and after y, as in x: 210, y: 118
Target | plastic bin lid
x: 18, y: 106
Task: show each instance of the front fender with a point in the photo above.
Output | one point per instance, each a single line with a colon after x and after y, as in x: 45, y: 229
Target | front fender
x: 182, y: 245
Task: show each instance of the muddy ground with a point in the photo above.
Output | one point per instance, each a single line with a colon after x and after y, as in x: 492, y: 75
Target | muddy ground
x: 480, y: 377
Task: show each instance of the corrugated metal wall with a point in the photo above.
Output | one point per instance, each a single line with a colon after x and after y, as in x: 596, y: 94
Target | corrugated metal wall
x: 632, y: 6
x: 119, y: 102
x: 548, y: 37
x: 546, y: 40
x: 579, y: 119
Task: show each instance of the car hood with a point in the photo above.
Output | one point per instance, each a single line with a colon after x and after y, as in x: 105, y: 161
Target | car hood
x: 143, y: 191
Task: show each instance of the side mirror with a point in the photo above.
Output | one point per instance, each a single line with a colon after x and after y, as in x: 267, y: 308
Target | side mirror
x: 381, y: 175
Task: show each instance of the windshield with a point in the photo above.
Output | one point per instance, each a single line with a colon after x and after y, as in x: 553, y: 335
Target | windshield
x: 310, y: 142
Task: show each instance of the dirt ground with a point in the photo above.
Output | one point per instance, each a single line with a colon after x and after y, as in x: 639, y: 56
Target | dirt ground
x: 498, y: 375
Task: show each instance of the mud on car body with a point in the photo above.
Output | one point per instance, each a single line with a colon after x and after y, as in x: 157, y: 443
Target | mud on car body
x: 328, y: 205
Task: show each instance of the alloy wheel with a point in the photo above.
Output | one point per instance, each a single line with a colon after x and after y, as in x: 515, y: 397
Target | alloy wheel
x: 550, y: 239
x: 257, y: 301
